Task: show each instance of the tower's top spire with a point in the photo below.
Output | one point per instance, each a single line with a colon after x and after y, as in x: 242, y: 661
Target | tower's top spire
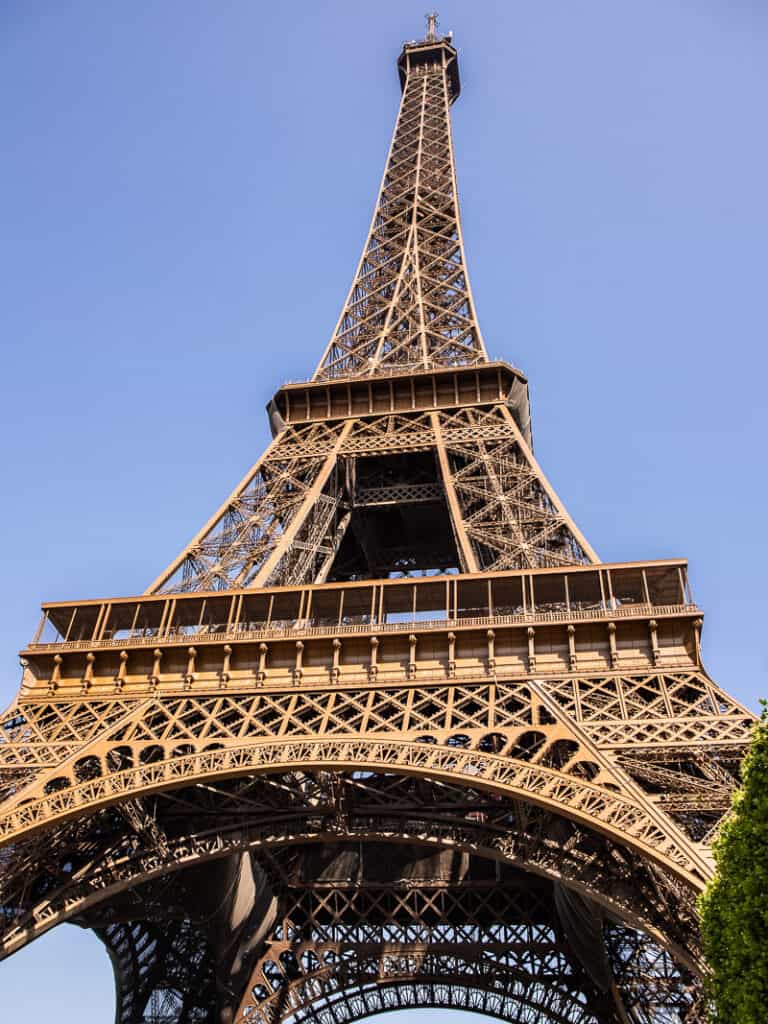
x: 410, y: 305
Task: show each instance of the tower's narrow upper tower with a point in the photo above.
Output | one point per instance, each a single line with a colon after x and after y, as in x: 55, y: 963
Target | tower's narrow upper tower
x: 410, y: 304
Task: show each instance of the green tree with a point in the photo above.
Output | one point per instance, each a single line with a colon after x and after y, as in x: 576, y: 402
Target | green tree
x: 734, y: 908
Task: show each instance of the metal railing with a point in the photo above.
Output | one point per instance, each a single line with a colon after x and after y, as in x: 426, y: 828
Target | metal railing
x: 300, y: 629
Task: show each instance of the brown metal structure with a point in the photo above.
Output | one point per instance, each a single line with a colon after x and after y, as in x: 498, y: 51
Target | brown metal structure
x: 386, y: 733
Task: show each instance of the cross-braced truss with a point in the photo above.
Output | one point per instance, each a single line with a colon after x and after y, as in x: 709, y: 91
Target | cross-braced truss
x: 490, y: 948
x: 386, y: 733
x: 293, y: 516
x: 410, y: 304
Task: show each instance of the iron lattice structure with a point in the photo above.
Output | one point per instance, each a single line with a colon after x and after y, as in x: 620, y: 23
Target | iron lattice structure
x: 386, y: 733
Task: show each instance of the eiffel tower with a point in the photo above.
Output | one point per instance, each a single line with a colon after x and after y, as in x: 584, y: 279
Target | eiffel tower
x: 387, y: 733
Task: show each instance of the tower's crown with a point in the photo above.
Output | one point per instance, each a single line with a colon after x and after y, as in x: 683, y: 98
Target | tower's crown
x: 428, y: 52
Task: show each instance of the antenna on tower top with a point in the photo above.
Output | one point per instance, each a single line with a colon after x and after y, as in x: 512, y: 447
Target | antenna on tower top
x: 431, y: 26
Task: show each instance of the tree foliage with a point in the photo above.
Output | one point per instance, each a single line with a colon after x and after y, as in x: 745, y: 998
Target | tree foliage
x: 734, y: 908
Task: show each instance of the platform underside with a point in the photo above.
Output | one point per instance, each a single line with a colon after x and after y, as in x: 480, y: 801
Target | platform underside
x: 355, y: 918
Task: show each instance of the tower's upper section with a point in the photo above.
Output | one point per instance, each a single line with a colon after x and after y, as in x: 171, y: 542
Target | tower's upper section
x: 410, y: 306
x: 432, y: 52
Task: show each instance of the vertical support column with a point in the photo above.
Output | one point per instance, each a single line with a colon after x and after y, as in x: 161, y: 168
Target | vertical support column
x: 613, y: 652
x: 298, y: 670
x: 103, y: 627
x: 681, y: 577
x: 154, y: 679
x: 97, y: 627
x: 646, y: 591
x: 261, y: 673
x: 225, y: 665
x: 491, y: 638
x: 189, y: 676
x: 85, y: 682
x: 653, y: 630
x: 531, y: 650
x: 572, y: 659
x: 373, y: 667
x: 41, y: 626
x: 53, y: 683
x: 335, y: 668
x: 69, y: 627
x: 697, y: 624
x: 121, y: 671
x: 412, y: 641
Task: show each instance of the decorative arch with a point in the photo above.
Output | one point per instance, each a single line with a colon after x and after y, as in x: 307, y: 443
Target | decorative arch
x: 519, y: 1003
x: 617, y: 815
x: 592, y: 864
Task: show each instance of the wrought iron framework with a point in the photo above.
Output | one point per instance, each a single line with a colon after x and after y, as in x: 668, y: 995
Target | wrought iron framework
x: 386, y: 733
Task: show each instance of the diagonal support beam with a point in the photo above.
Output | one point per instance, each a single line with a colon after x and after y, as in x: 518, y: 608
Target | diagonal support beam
x: 299, y: 519
x: 589, y: 551
x: 623, y: 781
x: 466, y: 553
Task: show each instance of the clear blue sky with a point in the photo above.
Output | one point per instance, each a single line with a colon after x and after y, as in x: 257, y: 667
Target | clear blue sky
x: 185, y: 190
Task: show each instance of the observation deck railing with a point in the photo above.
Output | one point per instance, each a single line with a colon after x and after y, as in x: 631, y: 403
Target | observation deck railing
x: 302, y: 628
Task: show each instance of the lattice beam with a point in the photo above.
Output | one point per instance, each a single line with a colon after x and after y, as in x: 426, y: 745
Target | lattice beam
x: 410, y: 304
